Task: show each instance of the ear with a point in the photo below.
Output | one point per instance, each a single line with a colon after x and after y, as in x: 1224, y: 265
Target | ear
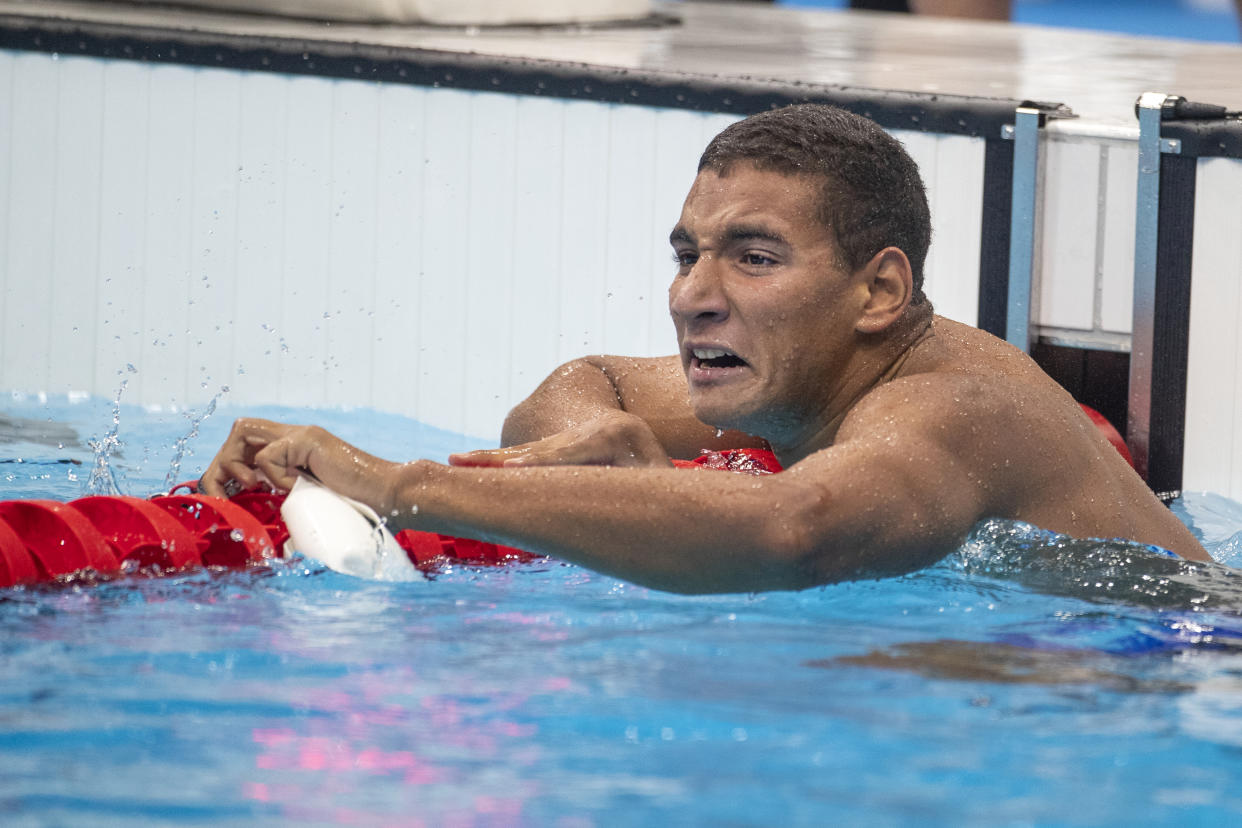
x: 889, y: 282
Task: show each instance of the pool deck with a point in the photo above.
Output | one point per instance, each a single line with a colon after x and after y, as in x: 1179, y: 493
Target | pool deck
x: 1098, y: 75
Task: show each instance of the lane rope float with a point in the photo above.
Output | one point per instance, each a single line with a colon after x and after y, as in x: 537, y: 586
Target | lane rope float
x: 45, y: 540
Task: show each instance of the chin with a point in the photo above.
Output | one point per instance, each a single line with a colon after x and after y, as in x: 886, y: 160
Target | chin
x: 725, y: 417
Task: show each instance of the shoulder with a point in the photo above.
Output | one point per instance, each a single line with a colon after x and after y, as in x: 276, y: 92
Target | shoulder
x: 956, y: 372
x: 941, y: 404
x: 978, y: 410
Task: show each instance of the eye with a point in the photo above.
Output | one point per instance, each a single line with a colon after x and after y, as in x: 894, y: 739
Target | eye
x: 756, y: 259
x: 685, y: 259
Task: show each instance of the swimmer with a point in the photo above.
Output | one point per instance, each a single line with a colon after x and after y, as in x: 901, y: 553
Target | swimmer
x: 802, y: 326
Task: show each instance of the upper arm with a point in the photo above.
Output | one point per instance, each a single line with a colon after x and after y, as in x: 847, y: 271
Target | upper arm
x: 574, y: 393
x: 901, y: 486
x: 653, y: 389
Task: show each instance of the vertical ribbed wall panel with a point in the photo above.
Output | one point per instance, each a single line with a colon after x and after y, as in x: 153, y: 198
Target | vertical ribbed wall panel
x: 301, y: 321
x: 489, y: 261
x: 1067, y: 259
x: 8, y: 77
x: 352, y: 254
x: 526, y: 328
x: 399, y: 241
x: 312, y: 241
x: 952, y: 169
x: 1213, y: 452
x: 71, y: 345
x: 26, y: 336
x: 120, y: 272
x: 628, y: 235
x: 1116, y: 254
x: 258, y: 285
x: 445, y: 257
x: 165, y: 348
x: 583, y: 221
x: 1085, y: 268
x: 213, y: 203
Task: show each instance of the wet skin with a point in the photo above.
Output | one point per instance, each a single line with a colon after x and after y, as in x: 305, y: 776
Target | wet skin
x: 899, y: 430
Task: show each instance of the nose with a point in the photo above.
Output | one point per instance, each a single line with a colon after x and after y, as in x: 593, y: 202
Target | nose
x: 698, y: 294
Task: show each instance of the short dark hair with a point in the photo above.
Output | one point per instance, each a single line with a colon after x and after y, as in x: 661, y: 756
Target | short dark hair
x: 872, y: 195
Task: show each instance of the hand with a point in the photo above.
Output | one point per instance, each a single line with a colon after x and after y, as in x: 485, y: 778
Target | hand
x: 614, y: 439
x: 259, y: 451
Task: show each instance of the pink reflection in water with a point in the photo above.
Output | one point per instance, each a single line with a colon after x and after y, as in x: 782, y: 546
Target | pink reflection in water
x: 343, y: 749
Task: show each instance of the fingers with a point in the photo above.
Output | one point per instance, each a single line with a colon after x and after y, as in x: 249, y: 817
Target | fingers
x: 234, y: 467
x: 618, y: 440
x: 275, y: 462
x: 565, y: 449
x: 261, y: 451
x: 283, y: 460
x: 484, y: 457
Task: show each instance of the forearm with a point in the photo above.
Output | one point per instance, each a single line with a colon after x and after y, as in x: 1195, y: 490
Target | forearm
x: 675, y: 530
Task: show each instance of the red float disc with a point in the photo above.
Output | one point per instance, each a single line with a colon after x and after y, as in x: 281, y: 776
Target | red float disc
x: 16, y: 565
x: 141, y: 531
x: 265, y: 506
x: 60, y: 538
x: 422, y: 548
x: 1106, y: 428
x: 234, y: 536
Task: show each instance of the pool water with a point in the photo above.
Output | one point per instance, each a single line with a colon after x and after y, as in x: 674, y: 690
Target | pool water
x: 1025, y: 679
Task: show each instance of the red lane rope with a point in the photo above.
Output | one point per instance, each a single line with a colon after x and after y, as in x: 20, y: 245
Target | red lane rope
x: 43, y: 540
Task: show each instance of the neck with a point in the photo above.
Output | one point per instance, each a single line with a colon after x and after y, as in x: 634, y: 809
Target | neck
x: 879, y: 359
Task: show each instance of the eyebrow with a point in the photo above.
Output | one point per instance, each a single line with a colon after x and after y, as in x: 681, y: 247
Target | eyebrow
x: 733, y: 234
x: 748, y: 232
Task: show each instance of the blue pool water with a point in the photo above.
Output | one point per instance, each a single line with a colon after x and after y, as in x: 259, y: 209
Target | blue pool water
x: 1022, y: 680
x: 1206, y: 20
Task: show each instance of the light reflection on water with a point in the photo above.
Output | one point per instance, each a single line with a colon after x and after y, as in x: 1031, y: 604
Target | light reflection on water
x: 1000, y: 685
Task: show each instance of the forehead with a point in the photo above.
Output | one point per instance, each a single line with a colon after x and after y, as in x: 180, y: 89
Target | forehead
x: 746, y: 193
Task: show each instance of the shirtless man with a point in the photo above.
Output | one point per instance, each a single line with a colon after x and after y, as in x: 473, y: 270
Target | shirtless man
x: 801, y: 320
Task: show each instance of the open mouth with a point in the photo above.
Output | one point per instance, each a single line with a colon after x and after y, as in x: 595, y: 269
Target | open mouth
x: 715, y: 358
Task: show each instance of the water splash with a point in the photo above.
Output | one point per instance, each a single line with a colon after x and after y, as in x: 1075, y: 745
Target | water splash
x: 391, y: 563
x: 1100, y: 571
x: 179, y: 448
x: 102, y: 479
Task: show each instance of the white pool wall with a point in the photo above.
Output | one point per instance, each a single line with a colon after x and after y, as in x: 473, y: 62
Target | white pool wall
x: 313, y: 241
x: 1213, y: 454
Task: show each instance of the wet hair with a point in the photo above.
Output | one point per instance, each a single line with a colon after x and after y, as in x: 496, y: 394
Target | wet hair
x: 872, y: 195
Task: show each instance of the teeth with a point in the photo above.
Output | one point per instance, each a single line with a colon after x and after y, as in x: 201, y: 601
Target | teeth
x: 708, y: 353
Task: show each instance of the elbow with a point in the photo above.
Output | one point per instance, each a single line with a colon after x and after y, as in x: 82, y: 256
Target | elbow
x: 803, y: 559
x: 796, y: 554
x: 812, y: 541
x: 797, y: 558
x: 551, y: 407
x: 524, y: 423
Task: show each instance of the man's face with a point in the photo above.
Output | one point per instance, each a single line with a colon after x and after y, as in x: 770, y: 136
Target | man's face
x: 764, y: 312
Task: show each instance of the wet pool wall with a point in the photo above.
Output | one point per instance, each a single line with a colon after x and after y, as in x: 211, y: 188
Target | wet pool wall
x: 316, y: 241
